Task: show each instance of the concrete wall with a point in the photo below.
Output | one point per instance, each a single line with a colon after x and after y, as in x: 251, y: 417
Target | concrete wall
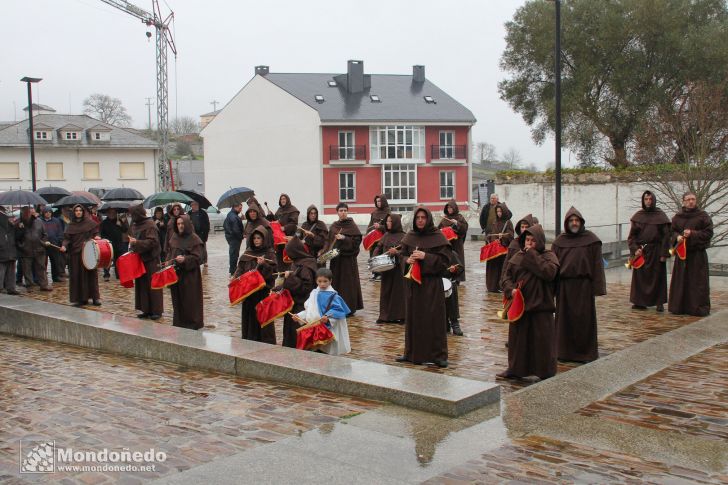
x: 267, y: 140
x: 73, y: 160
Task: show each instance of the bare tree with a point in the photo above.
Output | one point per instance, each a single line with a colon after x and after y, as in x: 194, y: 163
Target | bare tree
x: 107, y: 109
x: 485, y: 152
x: 184, y: 125
x: 512, y: 157
x: 685, y: 147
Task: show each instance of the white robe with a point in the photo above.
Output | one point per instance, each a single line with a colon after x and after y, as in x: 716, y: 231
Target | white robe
x: 339, y: 327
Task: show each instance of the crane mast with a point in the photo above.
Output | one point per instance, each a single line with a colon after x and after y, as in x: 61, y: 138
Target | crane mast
x: 164, y: 41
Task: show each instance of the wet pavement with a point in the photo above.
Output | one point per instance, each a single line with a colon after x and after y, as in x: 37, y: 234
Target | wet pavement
x: 479, y: 354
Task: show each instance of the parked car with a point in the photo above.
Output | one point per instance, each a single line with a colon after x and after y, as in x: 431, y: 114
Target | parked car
x: 216, y: 218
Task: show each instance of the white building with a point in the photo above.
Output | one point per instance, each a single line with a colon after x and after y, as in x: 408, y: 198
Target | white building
x: 76, y: 152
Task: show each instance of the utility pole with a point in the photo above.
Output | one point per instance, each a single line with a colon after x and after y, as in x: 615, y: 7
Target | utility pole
x: 214, y: 105
x: 557, y: 83
x: 149, y: 112
x: 30, y: 81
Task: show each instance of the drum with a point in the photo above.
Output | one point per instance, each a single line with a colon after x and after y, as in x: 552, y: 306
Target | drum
x: 492, y: 250
x: 372, y: 238
x: 327, y: 256
x: 97, y: 253
x: 273, y: 306
x: 279, y: 237
x: 129, y: 267
x: 513, y: 307
x: 381, y: 263
x: 449, y: 233
x: 245, y: 285
x: 164, y: 278
x: 447, y: 284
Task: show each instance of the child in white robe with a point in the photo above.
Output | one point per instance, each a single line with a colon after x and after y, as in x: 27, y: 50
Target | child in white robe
x: 324, y: 299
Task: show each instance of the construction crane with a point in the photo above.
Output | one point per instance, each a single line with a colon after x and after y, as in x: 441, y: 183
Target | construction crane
x: 165, y: 41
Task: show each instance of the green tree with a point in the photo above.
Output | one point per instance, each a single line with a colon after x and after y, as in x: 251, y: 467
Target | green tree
x: 620, y: 59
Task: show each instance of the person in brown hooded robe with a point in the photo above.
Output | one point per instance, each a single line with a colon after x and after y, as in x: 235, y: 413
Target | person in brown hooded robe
x: 287, y: 216
x: 453, y: 218
x: 690, y: 284
x: 376, y: 221
x: 527, y: 221
x: 494, y: 267
x: 144, y: 241
x: 391, y: 290
x: 260, y: 256
x: 175, y: 210
x: 317, y: 234
x: 83, y: 284
x: 425, y: 334
x: 187, y: 251
x: 300, y: 279
x: 254, y: 218
x: 345, y: 236
x: 581, y: 279
x: 649, y: 237
x: 532, y: 338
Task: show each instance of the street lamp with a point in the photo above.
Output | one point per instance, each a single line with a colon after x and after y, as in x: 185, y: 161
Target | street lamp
x: 29, y: 81
x: 557, y: 128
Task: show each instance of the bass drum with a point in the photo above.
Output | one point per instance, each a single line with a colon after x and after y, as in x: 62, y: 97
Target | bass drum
x: 97, y: 253
x: 447, y: 287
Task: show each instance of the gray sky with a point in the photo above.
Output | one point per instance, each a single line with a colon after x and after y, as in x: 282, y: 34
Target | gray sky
x: 80, y: 47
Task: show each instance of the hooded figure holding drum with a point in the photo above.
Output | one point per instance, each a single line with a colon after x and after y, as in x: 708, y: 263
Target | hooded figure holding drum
x: 83, y: 283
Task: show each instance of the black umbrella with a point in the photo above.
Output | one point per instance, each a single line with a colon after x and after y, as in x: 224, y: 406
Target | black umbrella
x: 52, y: 194
x: 21, y: 197
x: 234, y: 196
x: 123, y: 193
x: 197, y: 197
x: 118, y: 205
x: 73, y: 200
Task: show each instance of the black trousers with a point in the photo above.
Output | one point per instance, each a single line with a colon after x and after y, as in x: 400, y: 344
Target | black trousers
x: 233, y: 253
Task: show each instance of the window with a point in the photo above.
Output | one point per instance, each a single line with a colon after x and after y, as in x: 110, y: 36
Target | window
x: 375, y: 98
x: 332, y: 84
x: 54, y: 171
x: 347, y: 186
x: 41, y: 135
x: 429, y: 100
x: 9, y: 171
x: 447, y: 185
x: 319, y: 98
x: 97, y: 136
x: 346, y: 145
x: 400, y: 182
x: 91, y: 171
x: 397, y: 142
x: 447, y: 145
x: 131, y: 170
x: 71, y: 135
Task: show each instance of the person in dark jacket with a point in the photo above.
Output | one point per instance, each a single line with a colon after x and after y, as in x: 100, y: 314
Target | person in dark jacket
x: 161, y: 223
x: 8, y: 253
x: 201, y: 223
x: 114, y: 229
x: 31, y: 240
x: 487, y: 214
x: 54, y: 230
x: 233, y: 227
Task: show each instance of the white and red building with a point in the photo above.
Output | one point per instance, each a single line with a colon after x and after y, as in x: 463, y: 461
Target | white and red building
x: 328, y: 138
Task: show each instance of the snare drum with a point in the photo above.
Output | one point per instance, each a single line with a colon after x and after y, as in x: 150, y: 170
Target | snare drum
x: 447, y: 284
x: 327, y: 256
x: 97, y: 253
x: 381, y: 263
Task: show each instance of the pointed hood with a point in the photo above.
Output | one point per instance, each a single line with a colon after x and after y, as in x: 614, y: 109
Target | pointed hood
x: 83, y: 224
x: 267, y: 240
x: 454, y: 205
x: 260, y: 220
x: 286, y: 208
x: 426, y: 238
x: 650, y: 215
x: 537, y: 232
x: 139, y: 219
x: 573, y: 212
x: 396, y: 223
x: 188, y: 238
x: 567, y: 239
x: 528, y: 219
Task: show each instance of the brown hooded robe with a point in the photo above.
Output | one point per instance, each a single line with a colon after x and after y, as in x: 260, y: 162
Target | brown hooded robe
x: 252, y: 224
x: 581, y: 279
x: 300, y: 282
x: 287, y: 216
x: 425, y: 333
x: 515, y: 244
x: 690, y: 283
x: 320, y: 232
x: 187, y: 293
x: 83, y: 284
x: 345, y: 268
x: 494, y: 267
x: 391, y: 290
x: 250, y: 325
x: 532, y: 339
x: 144, y: 230
x: 460, y: 226
x: 172, y: 226
x: 650, y: 230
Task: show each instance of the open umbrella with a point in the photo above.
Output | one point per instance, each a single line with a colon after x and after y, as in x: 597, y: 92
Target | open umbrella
x: 119, y: 205
x: 75, y: 199
x: 123, y: 193
x: 234, y: 196
x: 164, y: 198
x: 52, y: 194
x: 197, y: 197
x: 92, y: 197
x: 21, y: 197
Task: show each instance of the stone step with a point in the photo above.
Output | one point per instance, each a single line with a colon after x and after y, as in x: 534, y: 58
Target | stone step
x: 436, y: 393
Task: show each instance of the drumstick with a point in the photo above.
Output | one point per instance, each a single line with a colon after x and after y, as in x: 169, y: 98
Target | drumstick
x: 256, y: 257
x: 306, y: 231
x: 53, y: 246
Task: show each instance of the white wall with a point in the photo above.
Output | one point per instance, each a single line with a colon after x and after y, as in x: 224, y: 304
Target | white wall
x: 267, y: 140
x: 73, y: 160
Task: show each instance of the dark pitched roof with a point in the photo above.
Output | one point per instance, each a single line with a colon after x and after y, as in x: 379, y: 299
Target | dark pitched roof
x: 40, y: 107
x: 400, y: 99
x: 16, y: 135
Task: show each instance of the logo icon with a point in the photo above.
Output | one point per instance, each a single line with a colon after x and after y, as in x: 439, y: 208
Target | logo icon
x: 37, y: 456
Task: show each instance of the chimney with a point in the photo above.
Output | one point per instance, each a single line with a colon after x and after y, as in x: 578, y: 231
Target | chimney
x: 355, y: 76
x: 261, y: 70
x: 418, y: 74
